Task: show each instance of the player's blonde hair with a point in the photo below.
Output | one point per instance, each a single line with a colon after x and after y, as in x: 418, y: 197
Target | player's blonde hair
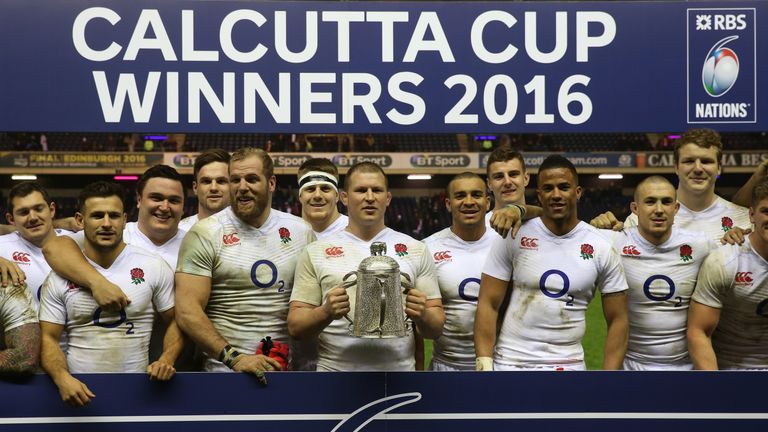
x: 246, y: 152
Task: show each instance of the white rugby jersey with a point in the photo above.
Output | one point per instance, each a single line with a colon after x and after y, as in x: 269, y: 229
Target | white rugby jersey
x: 100, y: 341
x: 16, y: 309
x: 554, y: 280
x: 661, y: 281
x: 459, y: 265
x: 186, y: 223
x: 340, y: 224
x: 251, y: 271
x: 30, y: 260
x: 734, y: 279
x: 321, y: 268
x: 713, y: 221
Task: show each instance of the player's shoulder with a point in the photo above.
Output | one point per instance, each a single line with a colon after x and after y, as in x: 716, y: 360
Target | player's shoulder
x: 10, y: 238
x: 594, y: 235
x: 682, y: 235
x: 438, y: 237
x: 290, y: 221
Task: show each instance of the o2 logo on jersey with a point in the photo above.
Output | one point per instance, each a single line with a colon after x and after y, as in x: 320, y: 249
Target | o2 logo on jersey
x: 721, y: 68
x: 564, y: 291
x: 98, y: 321
x: 660, y: 298
x: 258, y: 281
x: 463, y: 289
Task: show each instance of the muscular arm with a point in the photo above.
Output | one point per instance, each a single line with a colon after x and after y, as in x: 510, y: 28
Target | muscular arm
x: 22, y: 353
x: 67, y: 223
x: 616, y: 316
x: 173, y: 343
x: 743, y: 196
x: 306, y: 320
x: 702, y: 321
x: 427, y: 314
x: 66, y: 259
x: 192, y: 293
x: 72, y: 391
x: 491, y: 295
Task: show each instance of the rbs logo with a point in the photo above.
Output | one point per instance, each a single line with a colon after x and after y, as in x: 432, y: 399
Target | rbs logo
x: 721, y: 22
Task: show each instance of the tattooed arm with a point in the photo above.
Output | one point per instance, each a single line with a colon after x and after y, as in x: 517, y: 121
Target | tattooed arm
x: 23, y: 349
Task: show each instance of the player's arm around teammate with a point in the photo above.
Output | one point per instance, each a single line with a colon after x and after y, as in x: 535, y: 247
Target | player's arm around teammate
x: 66, y: 259
x: 10, y: 273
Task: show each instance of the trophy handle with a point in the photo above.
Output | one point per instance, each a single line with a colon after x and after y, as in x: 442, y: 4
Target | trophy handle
x: 405, y: 282
x: 346, y: 284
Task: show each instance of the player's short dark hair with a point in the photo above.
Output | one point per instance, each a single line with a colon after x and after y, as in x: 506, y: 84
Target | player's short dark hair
x: 702, y: 137
x: 759, y: 193
x: 25, y: 188
x: 653, y: 179
x: 246, y: 152
x: 555, y: 161
x: 100, y: 189
x: 462, y: 176
x: 503, y: 154
x: 210, y: 156
x: 366, y: 167
x: 158, y: 171
x: 318, y: 164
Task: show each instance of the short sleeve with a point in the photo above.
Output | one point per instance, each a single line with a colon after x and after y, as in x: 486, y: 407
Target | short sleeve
x: 611, y: 277
x: 306, y: 285
x: 498, y: 264
x: 197, y: 253
x: 162, y: 292
x: 16, y: 307
x: 52, y: 307
x: 715, y: 277
x: 426, y: 278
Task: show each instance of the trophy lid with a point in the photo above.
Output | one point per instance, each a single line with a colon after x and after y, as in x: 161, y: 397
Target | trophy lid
x: 378, y: 262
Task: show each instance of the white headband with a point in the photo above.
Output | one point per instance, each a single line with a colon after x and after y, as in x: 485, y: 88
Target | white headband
x: 314, y: 178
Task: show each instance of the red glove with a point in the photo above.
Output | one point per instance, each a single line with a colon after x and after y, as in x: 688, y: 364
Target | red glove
x: 274, y: 349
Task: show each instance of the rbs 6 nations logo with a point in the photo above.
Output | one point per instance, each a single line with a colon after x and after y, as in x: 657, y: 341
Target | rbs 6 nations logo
x: 722, y: 66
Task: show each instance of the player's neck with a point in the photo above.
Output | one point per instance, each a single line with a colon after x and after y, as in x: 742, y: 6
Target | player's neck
x: 760, y: 246
x: 365, y: 232
x: 560, y: 227
x: 322, y: 225
x: 655, y: 240
x: 469, y: 232
x: 696, y: 202
x: 158, y: 239
x: 203, y: 212
x: 40, y: 243
x: 104, y: 257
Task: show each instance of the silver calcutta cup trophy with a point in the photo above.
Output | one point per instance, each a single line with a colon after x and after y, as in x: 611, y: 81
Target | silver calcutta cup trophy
x: 379, y: 308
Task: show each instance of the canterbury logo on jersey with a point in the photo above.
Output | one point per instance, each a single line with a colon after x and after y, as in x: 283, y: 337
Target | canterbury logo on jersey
x: 630, y: 250
x: 743, y: 278
x: 21, y: 257
x: 334, y: 251
x: 230, y: 239
x: 442, y: 256
x: 529, y: 243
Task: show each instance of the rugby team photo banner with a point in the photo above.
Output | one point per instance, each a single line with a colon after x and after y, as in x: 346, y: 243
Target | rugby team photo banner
x: 394, y: 67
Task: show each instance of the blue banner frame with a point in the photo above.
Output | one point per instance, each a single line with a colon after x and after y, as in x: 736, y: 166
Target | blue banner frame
x: 404, y: 401
x: 389, y: 67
